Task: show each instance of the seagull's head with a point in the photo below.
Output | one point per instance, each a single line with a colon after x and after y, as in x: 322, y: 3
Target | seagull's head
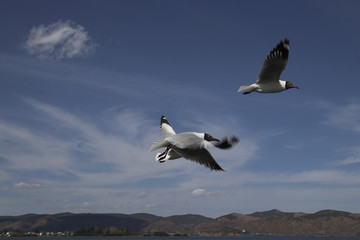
x: 290, y: 85
x: 209, y: 138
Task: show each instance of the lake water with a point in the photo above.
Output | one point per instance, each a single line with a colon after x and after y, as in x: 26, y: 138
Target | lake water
x: 191, y: 238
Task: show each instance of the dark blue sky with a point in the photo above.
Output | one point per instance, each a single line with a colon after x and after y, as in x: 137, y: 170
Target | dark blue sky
x: 83, y: 85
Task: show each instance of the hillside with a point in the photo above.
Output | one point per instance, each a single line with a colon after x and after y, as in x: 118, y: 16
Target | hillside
x: 274, y: 222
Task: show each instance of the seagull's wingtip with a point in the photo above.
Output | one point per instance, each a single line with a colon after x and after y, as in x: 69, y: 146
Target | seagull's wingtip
x: 218, y: 169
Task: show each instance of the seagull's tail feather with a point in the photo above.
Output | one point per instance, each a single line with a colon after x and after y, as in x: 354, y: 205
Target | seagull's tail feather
x: 158, y: 144
x: 248, y: 89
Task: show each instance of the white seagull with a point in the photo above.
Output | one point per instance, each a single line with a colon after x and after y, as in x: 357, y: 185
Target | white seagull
x: 269, y: 76
x: 189, y: 145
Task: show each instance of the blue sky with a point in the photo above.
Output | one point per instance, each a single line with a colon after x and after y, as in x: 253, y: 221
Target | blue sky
x: 83, y: 85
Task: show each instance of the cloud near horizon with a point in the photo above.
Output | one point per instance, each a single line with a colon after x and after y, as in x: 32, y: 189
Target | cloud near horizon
x: 59, y: 40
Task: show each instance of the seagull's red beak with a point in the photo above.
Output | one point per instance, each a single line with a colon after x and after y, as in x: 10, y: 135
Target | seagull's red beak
x: 215, y: 139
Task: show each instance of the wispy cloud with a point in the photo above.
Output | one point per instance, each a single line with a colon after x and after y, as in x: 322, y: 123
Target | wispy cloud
x: 350, y: 160
x: 345, y: 116
x: 326, y: 177
x: 73, y: 146
x: 62, y: 39
x: 26, y: 186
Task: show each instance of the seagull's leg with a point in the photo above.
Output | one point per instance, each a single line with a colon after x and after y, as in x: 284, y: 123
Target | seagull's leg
x: 162, y: 156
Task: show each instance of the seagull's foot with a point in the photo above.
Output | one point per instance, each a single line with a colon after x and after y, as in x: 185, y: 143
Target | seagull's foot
x: 160, y: 157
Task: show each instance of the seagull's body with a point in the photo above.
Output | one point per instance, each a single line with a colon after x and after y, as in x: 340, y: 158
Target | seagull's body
x: 269, y: 76
x: 189, y: 145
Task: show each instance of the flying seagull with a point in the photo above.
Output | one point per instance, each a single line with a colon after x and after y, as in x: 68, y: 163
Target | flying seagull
x: 189, y: 145
x: 269, y: 76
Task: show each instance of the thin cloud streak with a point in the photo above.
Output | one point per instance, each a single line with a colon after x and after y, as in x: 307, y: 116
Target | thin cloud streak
x: 127, y: 155
x: 349, y: 161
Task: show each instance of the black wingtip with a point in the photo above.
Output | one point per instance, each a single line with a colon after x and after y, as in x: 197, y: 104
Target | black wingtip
x: 216, y: 168
x: 226, y: 143
x: 164, y: 120
x: 282, y: 47
x: 282, y: 44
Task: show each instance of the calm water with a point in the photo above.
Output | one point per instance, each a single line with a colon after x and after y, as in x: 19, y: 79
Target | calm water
x: 188, y: 238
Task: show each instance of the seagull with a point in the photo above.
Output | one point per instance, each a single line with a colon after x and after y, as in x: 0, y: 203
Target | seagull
x: 189, y: 145
x: 269, y: 76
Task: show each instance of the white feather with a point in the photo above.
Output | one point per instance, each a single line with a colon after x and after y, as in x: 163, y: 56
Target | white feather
x: 158, y: 144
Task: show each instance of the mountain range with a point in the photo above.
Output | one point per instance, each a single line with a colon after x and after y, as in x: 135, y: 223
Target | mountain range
x: 273, y: 222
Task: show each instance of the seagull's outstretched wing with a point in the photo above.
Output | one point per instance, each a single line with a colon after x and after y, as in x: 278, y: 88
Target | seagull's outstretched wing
x: 166, y: 131
x: 274, y: 63
x: 201, y: 156
x: 165, y: 127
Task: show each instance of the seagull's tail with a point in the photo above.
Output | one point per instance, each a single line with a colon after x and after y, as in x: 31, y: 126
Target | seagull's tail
x: 158, y: 144
x: 248, y: 89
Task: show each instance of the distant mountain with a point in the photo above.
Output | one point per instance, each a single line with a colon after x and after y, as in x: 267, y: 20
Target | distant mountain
x: 274, y: 214
x: 273, y: 222
x: 70, y: 222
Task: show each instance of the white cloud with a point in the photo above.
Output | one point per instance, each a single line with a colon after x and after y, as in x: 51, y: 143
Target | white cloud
x: 199, y: 192
x: 62, y: 39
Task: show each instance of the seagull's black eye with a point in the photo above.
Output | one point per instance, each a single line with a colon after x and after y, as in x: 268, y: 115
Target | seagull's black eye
x: 207, y: 137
